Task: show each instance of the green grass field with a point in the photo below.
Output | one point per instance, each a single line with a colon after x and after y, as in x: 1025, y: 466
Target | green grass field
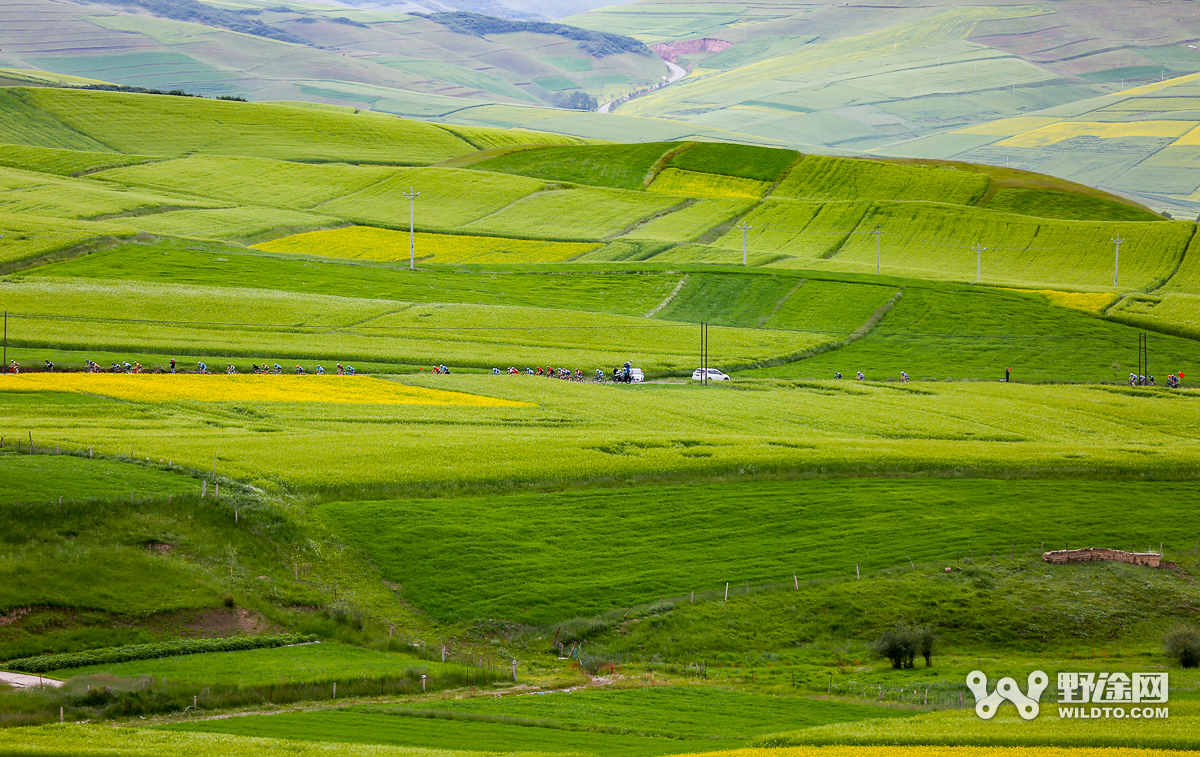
x: 518, y: 557
x: 821, y: 178
x: 648, y: 721
x: 62, y: 162
x: 308, y: 663
x: 620, y: 167
x: 566, y: 525
x: 429, y: 733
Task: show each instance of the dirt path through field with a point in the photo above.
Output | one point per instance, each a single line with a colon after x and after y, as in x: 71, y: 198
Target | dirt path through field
x: 23, y: 681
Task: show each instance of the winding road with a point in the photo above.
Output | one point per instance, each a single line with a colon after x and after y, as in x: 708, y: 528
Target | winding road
x: 677, y: 73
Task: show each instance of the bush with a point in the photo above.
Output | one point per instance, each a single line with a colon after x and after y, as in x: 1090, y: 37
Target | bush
x: 46, y: 663
x: 1183, y: 646
x: 902, y: 643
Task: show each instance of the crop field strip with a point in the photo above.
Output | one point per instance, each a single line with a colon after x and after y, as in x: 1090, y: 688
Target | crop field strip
x: 687, y: 718
x: 696, y: 540
x: 357, y: 390
x: 931, y: 428
x: 355, y: 329
x: 999, y: 327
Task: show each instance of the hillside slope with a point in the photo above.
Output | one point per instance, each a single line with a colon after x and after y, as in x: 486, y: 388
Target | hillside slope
x: 257, y: 172
x: 1141, y: 142
x: 393, y: 62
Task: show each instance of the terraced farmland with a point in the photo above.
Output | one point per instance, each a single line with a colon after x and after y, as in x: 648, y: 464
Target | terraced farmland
x: 447, y: 536
x: 365, y: 243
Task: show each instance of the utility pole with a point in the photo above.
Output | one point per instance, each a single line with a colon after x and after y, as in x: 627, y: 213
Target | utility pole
x: 877, y: 232
x: 979, y: 248
x: 745, y: 227
x: 1117, y: 261
x: 412, y: 255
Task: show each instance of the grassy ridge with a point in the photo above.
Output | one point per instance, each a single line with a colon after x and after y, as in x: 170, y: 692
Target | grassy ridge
x: 164, y: 125
x: 744, y: 161
x: 518, y: 558
x: 818, y: 177
x: 301, y: 663
x: 27, y: 236
x: 36, y: 194
x: 617, y: 166
x: 63, y: 162
x: 174, y: 262
x: 935, y: 333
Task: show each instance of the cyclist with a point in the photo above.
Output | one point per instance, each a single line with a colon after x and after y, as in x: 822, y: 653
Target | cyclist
x: 299, y: 370
x: 903, y: 377
x: 201, y: 368
x: 861, y: 377
x: 349, y: 370
x: 837, y: 375
x: 320, y: 370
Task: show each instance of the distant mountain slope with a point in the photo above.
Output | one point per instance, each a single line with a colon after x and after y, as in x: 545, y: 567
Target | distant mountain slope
x: 1143, y: 142
x: 367, y: 59
x: 893, y: 77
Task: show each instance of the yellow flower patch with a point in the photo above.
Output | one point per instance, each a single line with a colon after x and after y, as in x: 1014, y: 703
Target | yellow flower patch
x: 355, y: 390
x: 1088, y: 302
x: 938, y: 751
x: 698, y: 184
x: 385, y: 245
x: 1064, y: 130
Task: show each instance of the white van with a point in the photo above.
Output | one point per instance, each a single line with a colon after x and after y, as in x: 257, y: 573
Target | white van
x: 713, y: 375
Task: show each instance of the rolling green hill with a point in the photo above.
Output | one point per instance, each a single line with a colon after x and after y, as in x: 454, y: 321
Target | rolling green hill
x: 445, y: 526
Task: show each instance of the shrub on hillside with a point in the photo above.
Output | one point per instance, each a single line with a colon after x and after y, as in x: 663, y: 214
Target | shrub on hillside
x: 902, y: 643
x: 1183, y: 646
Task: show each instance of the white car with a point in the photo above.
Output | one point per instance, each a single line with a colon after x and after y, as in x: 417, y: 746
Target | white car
x: 713, y: 375
x: 636, y: 376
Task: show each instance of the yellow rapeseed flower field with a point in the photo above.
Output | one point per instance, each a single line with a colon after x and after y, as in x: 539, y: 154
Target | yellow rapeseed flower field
x: 697, y: 184
x: 939, y: 751
x: 385, y: 245
x: 1088, y: 302
x: 1063, y: 130
x: 355, y: 390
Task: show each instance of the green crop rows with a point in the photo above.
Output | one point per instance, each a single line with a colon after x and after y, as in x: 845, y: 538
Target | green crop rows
x: 516, y: 556
x: 112, y: 655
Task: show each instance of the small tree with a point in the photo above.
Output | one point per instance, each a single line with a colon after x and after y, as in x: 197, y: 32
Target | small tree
x: 903, y: 642
x: 898, y: 645
x: 925, y: 641
x: 1183, y: 646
